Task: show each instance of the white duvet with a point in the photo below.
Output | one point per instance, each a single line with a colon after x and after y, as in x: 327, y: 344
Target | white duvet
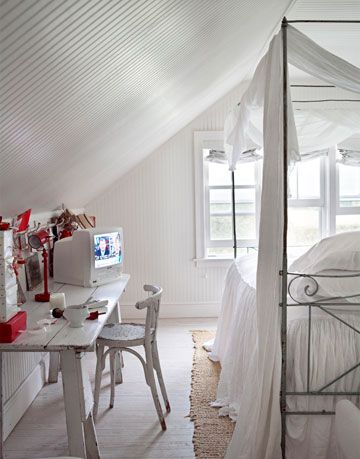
x: 335, y: 348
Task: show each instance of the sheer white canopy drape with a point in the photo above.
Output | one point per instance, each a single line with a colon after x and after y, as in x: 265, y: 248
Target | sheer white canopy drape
x: 258, y: 429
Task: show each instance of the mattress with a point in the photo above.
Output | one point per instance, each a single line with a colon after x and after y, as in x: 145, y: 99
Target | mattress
x: 334, y: 349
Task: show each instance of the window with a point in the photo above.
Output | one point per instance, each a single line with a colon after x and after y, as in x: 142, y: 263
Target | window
x: 348, y: 198
x: 218, y: 207
x: 324, y: 198
x: 306, y: 216
x: 349, y: 186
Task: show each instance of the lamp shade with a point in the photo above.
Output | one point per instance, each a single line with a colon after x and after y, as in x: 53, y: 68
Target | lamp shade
x: 38, y: 239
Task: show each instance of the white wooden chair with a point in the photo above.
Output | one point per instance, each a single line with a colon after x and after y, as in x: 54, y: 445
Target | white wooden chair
x: 347, y: 428
x: 124, y: 337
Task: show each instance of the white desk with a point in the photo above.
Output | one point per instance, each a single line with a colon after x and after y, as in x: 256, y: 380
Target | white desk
x: 71, y: 343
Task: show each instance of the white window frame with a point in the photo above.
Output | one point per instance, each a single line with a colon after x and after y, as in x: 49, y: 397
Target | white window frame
x: 328, y: 202
x: 208, y: 242
x: 214, y: 140
x: 204, y: 140
x: 320, y: 202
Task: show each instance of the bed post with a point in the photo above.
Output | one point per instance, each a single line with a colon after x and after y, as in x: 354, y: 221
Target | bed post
x: 284, y: 254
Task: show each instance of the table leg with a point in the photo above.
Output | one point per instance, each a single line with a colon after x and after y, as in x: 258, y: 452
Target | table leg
x: 92, y: 447
x: 78, y: 406
x: 54, y: 364
x: 114, y: 317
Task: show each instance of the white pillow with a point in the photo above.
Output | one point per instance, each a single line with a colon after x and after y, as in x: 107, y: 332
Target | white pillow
x: 337, y: 255
x: 341, y: 251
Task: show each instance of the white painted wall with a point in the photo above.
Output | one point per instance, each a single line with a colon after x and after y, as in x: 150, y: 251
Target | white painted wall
x: 154, y: 203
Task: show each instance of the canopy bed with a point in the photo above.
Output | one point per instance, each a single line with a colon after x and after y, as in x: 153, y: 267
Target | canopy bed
x: 272, y: 350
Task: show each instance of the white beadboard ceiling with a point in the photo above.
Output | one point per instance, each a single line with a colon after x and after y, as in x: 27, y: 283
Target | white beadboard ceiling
x: 91, y: 87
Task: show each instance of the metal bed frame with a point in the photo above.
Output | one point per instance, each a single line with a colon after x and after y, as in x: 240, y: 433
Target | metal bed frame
x: 311, y: 289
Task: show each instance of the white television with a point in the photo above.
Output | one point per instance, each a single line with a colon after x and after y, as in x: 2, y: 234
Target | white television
x: 90, y: 257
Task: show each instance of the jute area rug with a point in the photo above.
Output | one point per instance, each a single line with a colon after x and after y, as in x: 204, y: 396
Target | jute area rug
x: 212, y: 433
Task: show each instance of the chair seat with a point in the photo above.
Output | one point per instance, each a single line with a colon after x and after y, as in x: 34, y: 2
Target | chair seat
x: 124, y: 333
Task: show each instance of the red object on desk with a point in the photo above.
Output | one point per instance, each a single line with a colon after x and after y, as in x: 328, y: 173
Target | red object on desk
x: 94, y: 315
x: 11, y: 329
x: 45, y: 296
x: 37, y: 241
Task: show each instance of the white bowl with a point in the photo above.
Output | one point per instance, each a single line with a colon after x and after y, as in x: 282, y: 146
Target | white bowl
x: 76, y: 316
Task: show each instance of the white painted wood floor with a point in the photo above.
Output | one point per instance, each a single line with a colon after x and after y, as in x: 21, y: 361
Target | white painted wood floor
x: 131, y: 428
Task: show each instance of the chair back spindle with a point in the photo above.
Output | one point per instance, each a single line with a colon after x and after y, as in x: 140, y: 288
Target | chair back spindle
x: 152, y: 303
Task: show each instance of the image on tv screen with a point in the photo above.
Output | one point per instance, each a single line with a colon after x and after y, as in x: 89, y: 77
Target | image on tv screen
x: 108, y: 249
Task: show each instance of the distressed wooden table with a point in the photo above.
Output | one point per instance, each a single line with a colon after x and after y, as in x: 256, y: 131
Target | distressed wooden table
x: 71, y: 344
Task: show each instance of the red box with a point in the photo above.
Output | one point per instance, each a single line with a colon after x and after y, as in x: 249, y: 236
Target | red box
x: 11, y: 329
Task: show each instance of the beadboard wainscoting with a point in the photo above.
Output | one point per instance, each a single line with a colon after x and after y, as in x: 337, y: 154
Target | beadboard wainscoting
x: 174, y: 310
x: 24, y: 376
x: 155, y: 204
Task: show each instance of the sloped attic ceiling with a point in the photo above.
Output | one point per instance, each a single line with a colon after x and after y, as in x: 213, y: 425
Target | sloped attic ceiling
x: 90, y: 87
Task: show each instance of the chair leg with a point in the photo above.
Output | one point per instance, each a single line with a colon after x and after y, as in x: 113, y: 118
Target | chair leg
x: 152, y: 383
x: 113, y: 357
x: 100, y: 361
x: 156, y: 360
x: 119, y: 364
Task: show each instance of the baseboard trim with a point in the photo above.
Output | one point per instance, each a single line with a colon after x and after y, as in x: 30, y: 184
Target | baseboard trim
x: 174, y: 310
x: 19, y: 402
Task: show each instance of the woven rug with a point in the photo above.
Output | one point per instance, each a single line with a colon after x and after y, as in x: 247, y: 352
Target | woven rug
x: 212, y: 433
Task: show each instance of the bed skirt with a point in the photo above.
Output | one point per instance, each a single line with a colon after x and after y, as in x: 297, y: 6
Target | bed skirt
x: 335, y: 348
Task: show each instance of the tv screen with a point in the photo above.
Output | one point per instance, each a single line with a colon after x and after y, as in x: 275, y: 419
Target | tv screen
x: 108, y: 249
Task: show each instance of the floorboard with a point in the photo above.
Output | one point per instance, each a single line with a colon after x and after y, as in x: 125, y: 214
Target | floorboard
x: 130, y: 429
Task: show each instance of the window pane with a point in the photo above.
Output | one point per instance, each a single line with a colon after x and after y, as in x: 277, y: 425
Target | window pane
x: 245, y: 251
x: 245, y: 227
x: 219, y: 174
x: 347, y: 223
x: 245, y: 174
x: 245, y: 200
x: 304, y: 180
x: 220, y: 200
x: 228, y: 252
x: 304, y: 226
x: 349, y: 186
x: 221, y: 252
x: 220, y: 228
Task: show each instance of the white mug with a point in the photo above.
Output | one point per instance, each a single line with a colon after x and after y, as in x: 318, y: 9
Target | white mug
x: 76, y: 316
x: 57, y: 300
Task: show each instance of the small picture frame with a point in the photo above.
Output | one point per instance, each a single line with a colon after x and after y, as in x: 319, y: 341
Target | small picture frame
x: 32, y: 271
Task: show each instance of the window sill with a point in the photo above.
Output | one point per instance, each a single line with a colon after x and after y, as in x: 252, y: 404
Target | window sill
x: 213, y: 262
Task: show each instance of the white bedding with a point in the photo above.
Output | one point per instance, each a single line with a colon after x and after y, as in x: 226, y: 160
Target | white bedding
x: 334, y: 349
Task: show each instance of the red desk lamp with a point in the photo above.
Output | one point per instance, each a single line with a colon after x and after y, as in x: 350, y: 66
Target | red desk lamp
x: 38, y: 241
